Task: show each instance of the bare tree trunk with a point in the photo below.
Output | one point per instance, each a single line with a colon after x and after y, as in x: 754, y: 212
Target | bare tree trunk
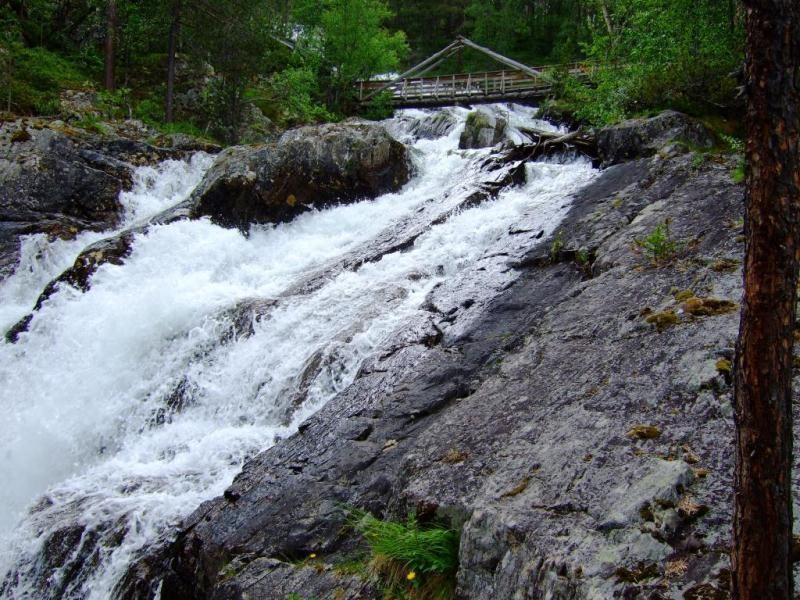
x: 111, y: 29
x: 607, y: 18
x: 174, y: 30
x: 762, y: 531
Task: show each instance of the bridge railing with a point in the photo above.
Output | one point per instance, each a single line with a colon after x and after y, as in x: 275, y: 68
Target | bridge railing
x: 466, y: 85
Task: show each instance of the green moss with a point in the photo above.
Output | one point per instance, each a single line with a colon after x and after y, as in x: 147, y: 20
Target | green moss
x: 644, y: 432
x: 477, y: 119
x: 724, y: 366
x: 518, y: 488
x: 725, y: 264
x: 707, y: 307
x: 682, y: 295
x: 738, y: 173
x: 20, y: 135
x: 639, y: 573
x: 663, y: 320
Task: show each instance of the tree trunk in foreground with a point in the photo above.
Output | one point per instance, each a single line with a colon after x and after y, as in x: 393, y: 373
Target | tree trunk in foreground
x: 762, y: 526
x: 111, y: 30
x: 173, y: 43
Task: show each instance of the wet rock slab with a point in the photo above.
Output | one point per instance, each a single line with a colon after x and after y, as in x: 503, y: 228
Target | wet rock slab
x: 542, y: 396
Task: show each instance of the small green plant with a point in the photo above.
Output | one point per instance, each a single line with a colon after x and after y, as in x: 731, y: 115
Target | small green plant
x: 557, y: 246
x: 734, y: 144
x: 115, y: 104
x: 409, y: 560
x: 698, y: 160
x: 658, y: 246
x: 90, y: 122
x: 738, y: 173
x: 582, y: 257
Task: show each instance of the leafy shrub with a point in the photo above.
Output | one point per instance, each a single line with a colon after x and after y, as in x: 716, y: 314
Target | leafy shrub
x: 380, y: 107
x: 289, y: 97
x: 115, y: 104
x: 149, y: 110
x: 410, y: 560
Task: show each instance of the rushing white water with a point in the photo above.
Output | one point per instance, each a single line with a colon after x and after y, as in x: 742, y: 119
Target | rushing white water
x: 82, y: 390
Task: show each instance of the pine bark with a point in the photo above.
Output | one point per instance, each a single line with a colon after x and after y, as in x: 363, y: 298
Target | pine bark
x: 174, y: 31
x: 762, y: 529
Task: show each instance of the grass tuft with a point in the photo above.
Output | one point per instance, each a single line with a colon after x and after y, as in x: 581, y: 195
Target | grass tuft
x: 409, y: 560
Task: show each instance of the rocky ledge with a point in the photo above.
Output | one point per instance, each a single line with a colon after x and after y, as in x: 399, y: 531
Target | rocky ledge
x: 577, y: 428
x: 58, y: 180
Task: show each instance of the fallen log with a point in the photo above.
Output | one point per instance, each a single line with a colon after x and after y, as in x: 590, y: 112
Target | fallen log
x: 548, y: 143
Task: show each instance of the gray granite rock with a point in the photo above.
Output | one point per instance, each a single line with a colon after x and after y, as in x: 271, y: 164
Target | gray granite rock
x: 541, y: 395
x: 637, y: 138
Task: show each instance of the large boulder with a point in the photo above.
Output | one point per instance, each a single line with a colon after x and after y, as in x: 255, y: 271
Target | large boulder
x: 308, y: 166
x: 640, y: 138
x: 483, y: 129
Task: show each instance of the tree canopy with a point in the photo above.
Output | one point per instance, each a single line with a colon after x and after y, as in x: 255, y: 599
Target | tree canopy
x: 297, y: 60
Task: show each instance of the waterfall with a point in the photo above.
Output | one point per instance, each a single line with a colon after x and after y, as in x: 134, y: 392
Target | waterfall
x: 127, y: 406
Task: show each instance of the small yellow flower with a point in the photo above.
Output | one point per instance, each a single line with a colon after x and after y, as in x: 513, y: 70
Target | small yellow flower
x: 312, y: 555
x: 411, y: 576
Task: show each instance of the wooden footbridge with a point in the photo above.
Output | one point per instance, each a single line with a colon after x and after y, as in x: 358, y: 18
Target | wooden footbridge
x: 516, y: 82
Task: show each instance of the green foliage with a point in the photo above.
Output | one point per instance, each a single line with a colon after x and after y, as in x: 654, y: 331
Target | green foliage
x: 734, y: 144
x: 698, y: 160
x: 410, y: 560
x: 357, y: 45
x: 149, y: 110
x: 34, y: 79
x: 556, y: 247
x: 379, y: 107
x: 582, y: 256
x: 290, y: 97
x: 657, y: 53
x: 115, y: 104
x: 658, y: 245
x: 91, y: 122
x: 738, y: 174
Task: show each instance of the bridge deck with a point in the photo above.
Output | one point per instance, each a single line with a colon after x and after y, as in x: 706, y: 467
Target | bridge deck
x: 488, y: 86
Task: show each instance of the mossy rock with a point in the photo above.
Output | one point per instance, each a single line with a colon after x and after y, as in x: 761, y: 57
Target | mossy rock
x: 20, y: 135
x: 707, y: 307
x: 663, y: 320
x: 644, y: 432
